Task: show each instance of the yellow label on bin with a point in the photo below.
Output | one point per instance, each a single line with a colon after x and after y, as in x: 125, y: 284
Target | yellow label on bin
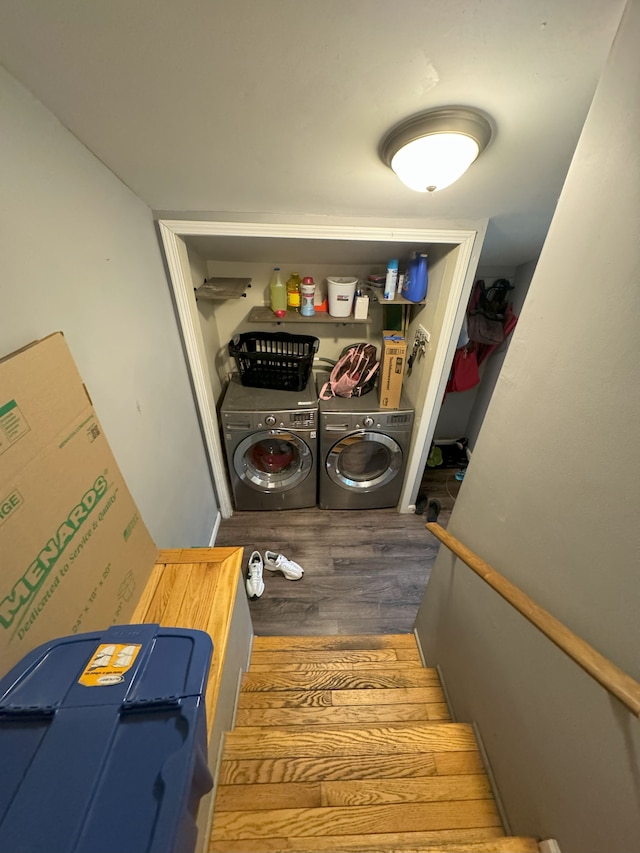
x: 109, y: 664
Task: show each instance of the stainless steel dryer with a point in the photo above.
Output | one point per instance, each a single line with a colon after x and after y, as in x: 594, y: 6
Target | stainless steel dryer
x: 270, y: 440
x: 363, y: 451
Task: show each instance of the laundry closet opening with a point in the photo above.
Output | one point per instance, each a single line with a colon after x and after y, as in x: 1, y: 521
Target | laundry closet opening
x: 470, y: 389
x: 244, y: 254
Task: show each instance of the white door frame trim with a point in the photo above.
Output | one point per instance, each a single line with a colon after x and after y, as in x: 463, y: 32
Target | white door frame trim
x: 182, y: 287
x: 173, y: 230
x: 461, y: 286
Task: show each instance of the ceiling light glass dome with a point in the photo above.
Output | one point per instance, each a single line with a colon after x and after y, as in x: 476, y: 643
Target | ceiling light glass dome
x: 430, y: 151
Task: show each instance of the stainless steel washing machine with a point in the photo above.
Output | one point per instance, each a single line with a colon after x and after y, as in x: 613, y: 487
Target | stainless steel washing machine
x: 363, y: 451
x: 270, y: 440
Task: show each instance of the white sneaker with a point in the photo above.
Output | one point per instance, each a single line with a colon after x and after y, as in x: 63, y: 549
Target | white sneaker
x: 279, y: 563
x: 254, y: 582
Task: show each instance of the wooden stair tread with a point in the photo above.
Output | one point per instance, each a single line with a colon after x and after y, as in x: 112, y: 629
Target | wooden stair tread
x: 336, y: 642
x: 331, y: 715
x: 381, y: 740
x: 356, y: 792
x: 479, y: 841
x: 341, y: 679
x: 400, y: 766
x: 335, y: 698
x: 335, y: 657
x: 384, y: 665
x: 330, y: 656
x: 462, y: 841
x: 259, y: 731
x: 354, y: 820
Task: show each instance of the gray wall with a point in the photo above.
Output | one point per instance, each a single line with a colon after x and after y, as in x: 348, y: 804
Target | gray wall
x: 79, y: 253
x: 551, y: 500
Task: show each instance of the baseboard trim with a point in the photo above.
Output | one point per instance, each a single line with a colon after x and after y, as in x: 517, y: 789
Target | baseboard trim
x: 549, y: 845
x: 447, y: 698
x: 214, y: 532
x: 241, y: 672
x: 420, y: 649
x: 492, y: 781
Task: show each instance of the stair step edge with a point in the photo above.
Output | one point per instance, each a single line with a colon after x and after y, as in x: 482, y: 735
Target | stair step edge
x: 357, y: 844
x: 506, y: 844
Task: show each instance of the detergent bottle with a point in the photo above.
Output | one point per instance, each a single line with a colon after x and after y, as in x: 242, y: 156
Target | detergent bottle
x: 416, y: 278
x: 278, y: 293
x: 308, y: 292
x: 391, y: 281
x: 294, y: 293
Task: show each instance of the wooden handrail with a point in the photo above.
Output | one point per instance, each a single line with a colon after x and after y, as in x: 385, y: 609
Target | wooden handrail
x: 611, y: 677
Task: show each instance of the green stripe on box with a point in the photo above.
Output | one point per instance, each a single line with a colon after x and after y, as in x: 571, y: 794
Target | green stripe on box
x: 4, y: 410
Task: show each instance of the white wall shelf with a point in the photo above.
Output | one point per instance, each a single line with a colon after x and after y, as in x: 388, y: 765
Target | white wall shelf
x: 260, y: 314
x: 217, y: 288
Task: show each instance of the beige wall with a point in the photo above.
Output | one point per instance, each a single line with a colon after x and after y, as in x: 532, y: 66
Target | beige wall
x: 551, y: 499
x: 79, y: 253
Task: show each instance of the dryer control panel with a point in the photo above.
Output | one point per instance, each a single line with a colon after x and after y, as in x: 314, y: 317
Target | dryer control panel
x: 391, y: 422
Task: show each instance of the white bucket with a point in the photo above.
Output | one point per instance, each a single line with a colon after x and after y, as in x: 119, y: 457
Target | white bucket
x: 341, y: 293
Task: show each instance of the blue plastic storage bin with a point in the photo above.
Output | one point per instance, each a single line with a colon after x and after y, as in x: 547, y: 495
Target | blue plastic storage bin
x: 103, y: 740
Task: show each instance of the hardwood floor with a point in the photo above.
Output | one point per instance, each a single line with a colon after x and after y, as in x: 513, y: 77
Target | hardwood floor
x: 365, y: 571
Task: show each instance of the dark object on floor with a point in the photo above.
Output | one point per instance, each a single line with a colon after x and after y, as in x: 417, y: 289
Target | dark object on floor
x: 450, y: 455
x: 421, y: 503
x: 433, y: 511
x: 435, y: 458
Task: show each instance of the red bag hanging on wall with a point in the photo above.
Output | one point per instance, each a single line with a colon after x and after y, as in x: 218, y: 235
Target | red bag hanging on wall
x: 464, y: 372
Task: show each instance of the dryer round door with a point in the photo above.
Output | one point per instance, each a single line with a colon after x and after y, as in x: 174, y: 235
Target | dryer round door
x: 364, y: 461
x: 272, y: 460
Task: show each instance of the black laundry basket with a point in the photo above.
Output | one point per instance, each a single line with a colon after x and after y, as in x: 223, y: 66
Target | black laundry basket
x: 275, y: 360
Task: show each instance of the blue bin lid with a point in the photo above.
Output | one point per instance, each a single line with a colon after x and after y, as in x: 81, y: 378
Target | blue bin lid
x: 103, y: 739
x: 161, y: 663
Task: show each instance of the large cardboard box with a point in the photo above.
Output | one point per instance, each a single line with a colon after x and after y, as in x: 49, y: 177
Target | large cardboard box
x: 74, y: 552
x: 392, y: 362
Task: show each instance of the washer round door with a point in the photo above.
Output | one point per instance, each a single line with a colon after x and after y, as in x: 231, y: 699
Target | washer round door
x: 272, y: 460
x: 364, y: 461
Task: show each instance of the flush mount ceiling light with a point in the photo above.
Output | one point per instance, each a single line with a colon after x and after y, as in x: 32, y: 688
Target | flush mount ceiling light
x: 430, y: 151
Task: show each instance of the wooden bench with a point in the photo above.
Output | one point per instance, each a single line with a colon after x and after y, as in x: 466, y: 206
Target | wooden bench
x: 203, y: 588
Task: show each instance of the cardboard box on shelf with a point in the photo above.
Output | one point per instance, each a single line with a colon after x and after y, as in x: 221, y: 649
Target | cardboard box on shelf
x: 392, y: 362
x: 75, y: 552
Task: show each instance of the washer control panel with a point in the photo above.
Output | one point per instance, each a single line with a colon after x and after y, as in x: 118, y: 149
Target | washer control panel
x: 303, y: 419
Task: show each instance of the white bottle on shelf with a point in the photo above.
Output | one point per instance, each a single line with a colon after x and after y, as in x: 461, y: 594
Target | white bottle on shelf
x: 391, y: 281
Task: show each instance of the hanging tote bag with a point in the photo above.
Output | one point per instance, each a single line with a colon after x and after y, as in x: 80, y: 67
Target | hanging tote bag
x: 354, y: 373
x: 487, y: 312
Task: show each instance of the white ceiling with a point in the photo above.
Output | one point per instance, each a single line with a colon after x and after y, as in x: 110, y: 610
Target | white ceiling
x: 279, y: 106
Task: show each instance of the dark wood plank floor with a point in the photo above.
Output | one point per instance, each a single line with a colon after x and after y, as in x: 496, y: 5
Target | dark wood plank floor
x: 365, y: 571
